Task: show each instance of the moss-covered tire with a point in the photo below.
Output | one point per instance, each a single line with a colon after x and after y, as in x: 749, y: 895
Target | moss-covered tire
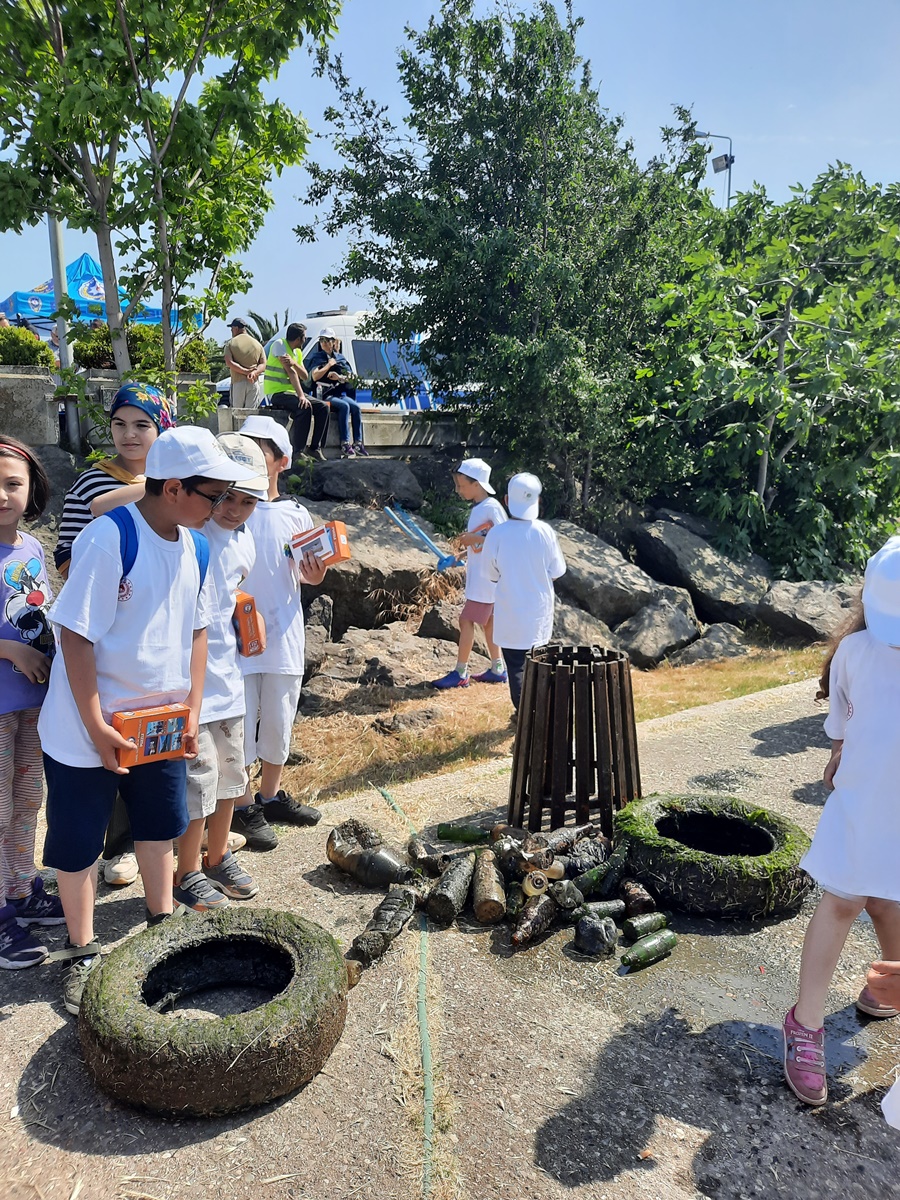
x: 222, y: 1064
x: 669, y: 840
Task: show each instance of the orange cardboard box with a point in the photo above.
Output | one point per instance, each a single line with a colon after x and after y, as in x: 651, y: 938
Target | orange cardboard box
x: 246, y: 625
x: 483, y: 529
x: 157, y: 733
x: 328, y: 542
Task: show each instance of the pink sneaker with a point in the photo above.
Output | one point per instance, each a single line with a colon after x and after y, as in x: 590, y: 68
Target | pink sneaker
x: 804, y: 1061
x: 868, y: 1004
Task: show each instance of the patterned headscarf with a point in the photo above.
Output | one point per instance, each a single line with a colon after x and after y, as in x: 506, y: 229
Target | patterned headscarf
x: 147, y: 398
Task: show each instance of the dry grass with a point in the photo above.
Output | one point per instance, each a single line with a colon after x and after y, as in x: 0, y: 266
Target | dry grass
x: 346, y: 752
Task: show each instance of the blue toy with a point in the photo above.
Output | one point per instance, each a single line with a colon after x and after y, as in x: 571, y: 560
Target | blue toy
x: 402, y: 518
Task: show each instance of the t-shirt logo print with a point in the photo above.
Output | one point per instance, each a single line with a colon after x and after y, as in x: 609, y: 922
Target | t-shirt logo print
x: 126, y: 589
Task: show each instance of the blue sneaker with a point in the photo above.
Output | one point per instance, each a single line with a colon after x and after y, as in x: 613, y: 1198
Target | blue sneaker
x: 452, y: 680
x: 39, y: 907
x: 491, y: 676
x: 18, y: 948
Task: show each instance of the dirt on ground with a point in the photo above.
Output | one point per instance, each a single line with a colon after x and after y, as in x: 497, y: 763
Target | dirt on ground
x: 555, y: 1075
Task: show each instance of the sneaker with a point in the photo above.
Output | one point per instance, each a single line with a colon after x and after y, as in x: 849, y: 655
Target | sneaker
x: 318, y: 455
x: 451, y: 680
x: 252, y: 824
x: 491, y: 676
x: 868, y: 1004
x: 285, y: 808
x: 347, y: 450
x: 236, y: 841
x: 230, y: 878
x: 18, y: 947
x: 121, y: 870
x: 84, y: 960
x: 39, y: 907
x: 804, y: 1061
x: 197, y: 893
x: 359, y: 450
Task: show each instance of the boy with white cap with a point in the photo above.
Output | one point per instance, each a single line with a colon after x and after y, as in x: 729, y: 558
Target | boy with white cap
x: 523, y: 558
x: 217, y: 777
x: 131, y: 637
x: 272, y: 680
x: 473, y: 483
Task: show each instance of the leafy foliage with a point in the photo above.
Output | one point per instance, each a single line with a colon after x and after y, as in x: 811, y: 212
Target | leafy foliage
x: 19, y: 348
x: 774, y: 388
x: 92, y: 349
x: 265, y: 329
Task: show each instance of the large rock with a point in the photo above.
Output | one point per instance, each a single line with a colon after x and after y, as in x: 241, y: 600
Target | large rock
x: 366, y: 481
x: 600, y: 579
x: 656, y: 631
x: 384, y: 573
x: 700, y: 525
x: 719, y: 641
x: 574, y: 627
x: 722, y: 589
x: 814, y: 611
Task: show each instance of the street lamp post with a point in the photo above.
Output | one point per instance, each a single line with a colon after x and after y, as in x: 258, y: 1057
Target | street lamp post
x: 722, y: 162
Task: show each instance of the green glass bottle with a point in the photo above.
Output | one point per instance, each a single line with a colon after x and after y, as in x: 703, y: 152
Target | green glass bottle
x: 650, y: 949
x: 640, y: 926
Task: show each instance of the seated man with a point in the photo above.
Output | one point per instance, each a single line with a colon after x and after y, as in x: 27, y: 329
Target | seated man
x: 283, y: 388
x: 330, y: 373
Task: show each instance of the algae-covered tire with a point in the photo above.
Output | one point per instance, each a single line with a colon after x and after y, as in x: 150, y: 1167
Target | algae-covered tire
x: 715, y: 855
x: 221, y: 1064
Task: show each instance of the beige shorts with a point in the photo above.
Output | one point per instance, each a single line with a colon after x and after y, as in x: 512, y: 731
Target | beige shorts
x: 271, y: 709
x: 217, y: 773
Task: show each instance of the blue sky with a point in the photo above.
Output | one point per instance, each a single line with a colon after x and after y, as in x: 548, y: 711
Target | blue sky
x: 797, y: 84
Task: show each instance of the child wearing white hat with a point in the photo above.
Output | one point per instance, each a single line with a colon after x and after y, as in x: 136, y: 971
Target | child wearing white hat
x: 472, y: 479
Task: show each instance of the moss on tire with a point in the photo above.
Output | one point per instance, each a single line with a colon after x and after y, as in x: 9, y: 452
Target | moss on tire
x: 667, y: 851
x: 224, y: 1064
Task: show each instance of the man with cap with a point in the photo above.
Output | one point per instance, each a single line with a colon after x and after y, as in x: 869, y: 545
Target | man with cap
x: 245, y: 359
x: 283, y: 388
x: 131, y: 636
x: 331, y: 374
x: 523, y: 559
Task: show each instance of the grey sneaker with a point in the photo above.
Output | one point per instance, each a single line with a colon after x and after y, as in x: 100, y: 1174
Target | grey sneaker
x: 230, y: 878
x: 84, y: 960
x: 197, y: 893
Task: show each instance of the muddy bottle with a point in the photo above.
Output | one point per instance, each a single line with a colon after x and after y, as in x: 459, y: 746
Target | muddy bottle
x: 462, y: 833
x: 637, y: 899
x: 650, y: 949
x: 535, y: 883
x: 638, y: 927
x: 515, y: 900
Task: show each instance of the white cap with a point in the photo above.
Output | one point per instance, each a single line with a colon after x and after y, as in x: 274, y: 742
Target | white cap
x: 243, y: 450
x: 189, y: 450
x: 881, y: 593
x: 327, y: 332
x: 477, y: 469
x: 522, y: 496
x: 267, y: 427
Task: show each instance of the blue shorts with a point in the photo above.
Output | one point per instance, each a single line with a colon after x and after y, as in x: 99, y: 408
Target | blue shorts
x: 80, y: 803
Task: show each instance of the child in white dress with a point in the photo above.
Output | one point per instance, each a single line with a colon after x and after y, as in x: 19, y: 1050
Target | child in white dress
x: 856, y: 847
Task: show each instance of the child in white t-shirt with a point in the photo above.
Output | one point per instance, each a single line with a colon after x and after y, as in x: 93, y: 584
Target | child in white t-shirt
x: 272, y: 680
x: 131, y: 637
x: 523, y: 558
x: 217, y: 776
x: 472, y: 479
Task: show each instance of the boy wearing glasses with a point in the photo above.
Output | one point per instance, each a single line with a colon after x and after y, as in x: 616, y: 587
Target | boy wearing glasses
x: 128, y: 642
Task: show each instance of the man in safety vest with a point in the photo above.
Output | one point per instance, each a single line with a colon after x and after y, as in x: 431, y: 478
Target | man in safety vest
x: 283, y: 388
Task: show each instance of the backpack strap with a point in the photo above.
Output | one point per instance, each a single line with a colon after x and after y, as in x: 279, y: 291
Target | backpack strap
x: 128, y: 542
x: 128, y: 537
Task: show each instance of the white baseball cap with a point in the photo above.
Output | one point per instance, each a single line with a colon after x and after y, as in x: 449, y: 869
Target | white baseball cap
x: 881, y: 593
x: 189, y: 450
x: 243, y: 450
x: 327, y: 332
x: 477, y: 469
x: 267, y: 427
x: 522, y: 496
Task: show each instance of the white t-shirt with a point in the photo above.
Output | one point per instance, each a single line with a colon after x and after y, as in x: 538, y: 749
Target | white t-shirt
x: 523, y: 560
x: 479, y: 585
x: 231, y: 558
x: 274, y: 583
x: 141, y: 628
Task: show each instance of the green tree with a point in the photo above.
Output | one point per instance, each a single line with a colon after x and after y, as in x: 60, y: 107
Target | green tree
x: 113, y: 128
x: 266, y: 329
x: 777, y: 377
x: 510, y: 221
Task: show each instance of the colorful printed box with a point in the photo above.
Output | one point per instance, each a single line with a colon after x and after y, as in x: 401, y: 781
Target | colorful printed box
x: 328, y: 542
x: 156, y: 732
x: 246, y: 625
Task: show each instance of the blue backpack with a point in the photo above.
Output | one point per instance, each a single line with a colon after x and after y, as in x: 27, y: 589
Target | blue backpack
x: 128, y: 542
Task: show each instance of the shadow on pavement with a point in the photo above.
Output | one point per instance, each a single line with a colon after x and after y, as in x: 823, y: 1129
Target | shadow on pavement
x: 791, y: 737
x: 727, y: 1080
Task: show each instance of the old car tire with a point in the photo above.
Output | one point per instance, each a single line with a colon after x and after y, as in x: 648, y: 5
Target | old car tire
x: 678, y: 847
x: 222, y: 1064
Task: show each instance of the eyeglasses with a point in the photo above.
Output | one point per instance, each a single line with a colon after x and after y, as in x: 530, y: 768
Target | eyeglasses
x: 214, y: 501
